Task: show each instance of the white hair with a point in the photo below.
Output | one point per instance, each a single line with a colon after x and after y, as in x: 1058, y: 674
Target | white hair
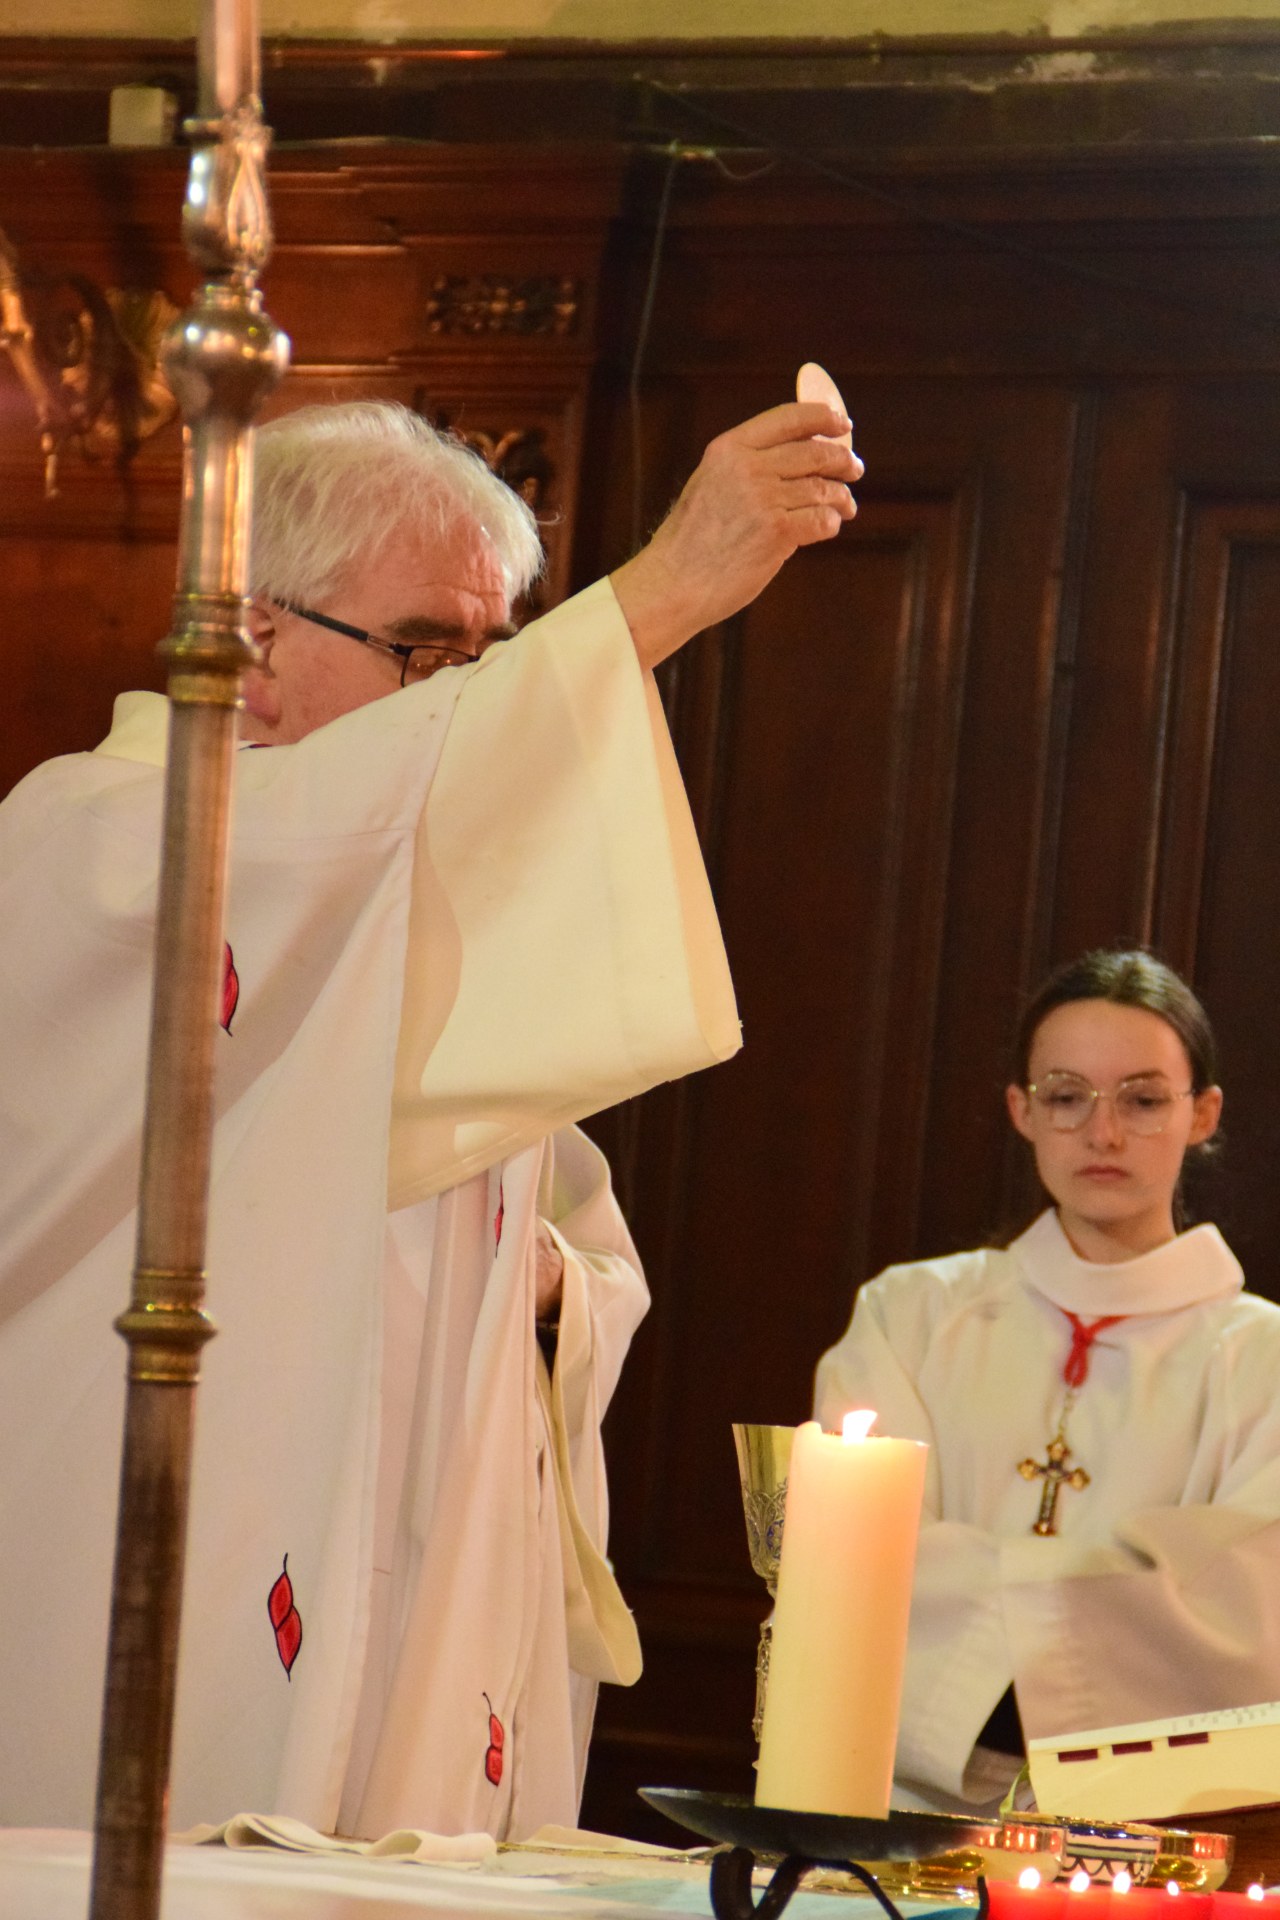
x: 335, y: 484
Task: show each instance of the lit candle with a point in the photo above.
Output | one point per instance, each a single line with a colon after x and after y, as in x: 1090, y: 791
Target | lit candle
x: 840, y: 1627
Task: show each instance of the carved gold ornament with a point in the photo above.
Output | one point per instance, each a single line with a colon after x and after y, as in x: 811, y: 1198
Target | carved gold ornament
x: 492, y: 303
x: 89, y: 360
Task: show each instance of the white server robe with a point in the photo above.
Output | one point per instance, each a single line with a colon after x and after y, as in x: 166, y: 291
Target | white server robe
x: 1158, y: 1594
x: 461, y: 917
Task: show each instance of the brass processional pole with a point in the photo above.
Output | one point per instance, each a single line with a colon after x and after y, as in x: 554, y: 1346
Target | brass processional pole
x: 222, y: 357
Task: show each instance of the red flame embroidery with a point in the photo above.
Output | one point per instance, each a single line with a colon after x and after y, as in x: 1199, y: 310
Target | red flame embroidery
x: 230, y: 988
x: 286, y: 1621
x: 497, y: 1741
x: 497, y: 1220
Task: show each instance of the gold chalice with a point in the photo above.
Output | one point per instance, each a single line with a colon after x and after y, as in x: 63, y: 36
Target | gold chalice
x: 764, y: 1454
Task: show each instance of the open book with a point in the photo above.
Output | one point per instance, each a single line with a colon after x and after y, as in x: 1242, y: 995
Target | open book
x: 1160, y: 1769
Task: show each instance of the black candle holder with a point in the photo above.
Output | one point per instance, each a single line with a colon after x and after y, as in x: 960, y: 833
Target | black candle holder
x: 805, y: 1840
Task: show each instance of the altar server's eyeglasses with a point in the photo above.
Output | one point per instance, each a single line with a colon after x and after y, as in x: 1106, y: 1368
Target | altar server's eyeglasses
x: 419, y: 659
x: 1142, y: 1105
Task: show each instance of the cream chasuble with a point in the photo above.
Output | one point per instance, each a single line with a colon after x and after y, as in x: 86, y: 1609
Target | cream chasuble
x: 459, y: 919
x: 1156, y: 1596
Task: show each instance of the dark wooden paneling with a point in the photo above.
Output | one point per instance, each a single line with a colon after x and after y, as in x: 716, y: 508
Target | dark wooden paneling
x: 87, y: 584
x: 1219, y: 895
x: 1026, y: 703
x: 925, y: 100
x: 875, y: 823
x: 1059, y: 740
x: 1236, y: 950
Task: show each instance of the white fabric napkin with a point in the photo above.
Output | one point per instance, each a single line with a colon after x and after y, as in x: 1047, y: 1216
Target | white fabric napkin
x: 293, y: 1836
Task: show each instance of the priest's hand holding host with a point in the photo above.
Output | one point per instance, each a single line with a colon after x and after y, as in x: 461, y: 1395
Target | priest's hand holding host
x: 776, y: 483
x: 459, y: 920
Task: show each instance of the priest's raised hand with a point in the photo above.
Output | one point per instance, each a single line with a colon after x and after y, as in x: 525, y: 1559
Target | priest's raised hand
x: 777, y: 482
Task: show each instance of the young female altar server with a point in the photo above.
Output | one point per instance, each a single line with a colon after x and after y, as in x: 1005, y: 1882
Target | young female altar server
x: 1101, y: 1539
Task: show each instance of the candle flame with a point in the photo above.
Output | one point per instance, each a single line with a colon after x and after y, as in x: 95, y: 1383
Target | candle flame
x: 1029, y: 1877
x: 857, y: 1425
x: 1079, y: 1881
x: 1256, y: 1891
x: 1173, y: 1887
x: 1122, y: 1881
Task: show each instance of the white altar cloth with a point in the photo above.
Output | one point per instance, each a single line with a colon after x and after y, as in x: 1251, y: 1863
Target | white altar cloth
x: 44, y: 1875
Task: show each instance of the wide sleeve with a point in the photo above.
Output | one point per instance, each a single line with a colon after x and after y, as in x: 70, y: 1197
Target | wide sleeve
x: 1183, y: 1600
x: 958, y: 1657
x: 563, y: 948
x: 603, y: 1301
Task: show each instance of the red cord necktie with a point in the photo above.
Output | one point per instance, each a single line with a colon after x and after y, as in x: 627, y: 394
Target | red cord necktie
x: 1054, y: 1470
x: 1083, y: 1335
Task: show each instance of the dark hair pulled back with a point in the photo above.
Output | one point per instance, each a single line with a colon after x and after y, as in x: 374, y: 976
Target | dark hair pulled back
x: 1131, y: 977
x: 1128, y: 978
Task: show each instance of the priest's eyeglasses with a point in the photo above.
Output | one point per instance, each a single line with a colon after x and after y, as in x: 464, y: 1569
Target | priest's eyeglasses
x: 1143, y: 1104
x: 418, y: 659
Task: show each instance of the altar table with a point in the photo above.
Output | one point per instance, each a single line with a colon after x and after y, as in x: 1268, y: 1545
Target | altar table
x: 45, y: 1876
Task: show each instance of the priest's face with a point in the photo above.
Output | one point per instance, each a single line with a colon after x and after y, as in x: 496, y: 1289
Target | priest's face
x: 1113, y: 1183
x: 419, y: 586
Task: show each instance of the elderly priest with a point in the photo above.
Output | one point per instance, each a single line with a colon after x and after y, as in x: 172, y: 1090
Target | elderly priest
x: 466, y: 908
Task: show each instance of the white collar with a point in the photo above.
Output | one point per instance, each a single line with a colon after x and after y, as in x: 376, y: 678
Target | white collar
x: 139, y: 729
x: 1195, y: 1267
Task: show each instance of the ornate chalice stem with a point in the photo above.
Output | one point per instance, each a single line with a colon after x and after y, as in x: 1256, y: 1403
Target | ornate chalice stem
x: 222, y: 357
x: 763, y: 1648
x: 763, y: 1454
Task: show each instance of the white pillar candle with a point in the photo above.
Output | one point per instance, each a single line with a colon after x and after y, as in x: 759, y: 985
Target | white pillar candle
x: 840, y: 1627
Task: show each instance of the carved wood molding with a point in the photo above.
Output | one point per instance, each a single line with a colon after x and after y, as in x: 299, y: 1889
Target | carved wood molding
x: 518, y: 455
x: 499, y: 303
x: 1199, y: 90
x: 529, y: 459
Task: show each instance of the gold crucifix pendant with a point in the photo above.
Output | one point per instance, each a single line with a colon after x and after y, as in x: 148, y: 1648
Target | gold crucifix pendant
x: 1056, y: 1475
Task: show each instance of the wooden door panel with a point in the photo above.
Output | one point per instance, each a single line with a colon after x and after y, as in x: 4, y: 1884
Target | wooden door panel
x: 1218, y: 907
x: 883, y: 691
